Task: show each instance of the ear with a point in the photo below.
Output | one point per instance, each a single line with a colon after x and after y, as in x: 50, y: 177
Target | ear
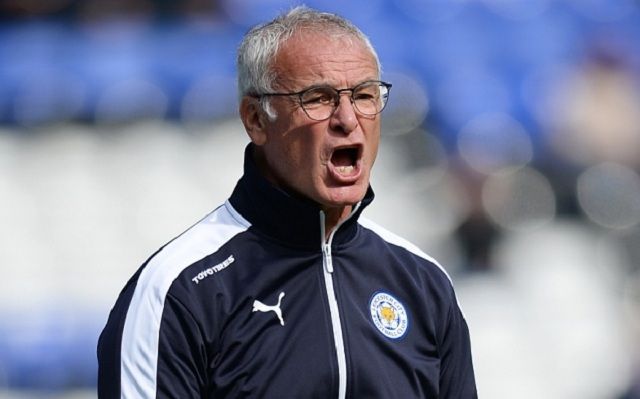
x: 253, y: 119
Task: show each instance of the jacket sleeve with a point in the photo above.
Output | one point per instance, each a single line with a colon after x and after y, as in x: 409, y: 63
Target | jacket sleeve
x: 456, y: 369
x: 182, y: 359
x: 109, y: 344
x: 142, y: 356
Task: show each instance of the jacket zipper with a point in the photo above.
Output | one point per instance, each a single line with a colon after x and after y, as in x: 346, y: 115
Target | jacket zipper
x: 327, y: 263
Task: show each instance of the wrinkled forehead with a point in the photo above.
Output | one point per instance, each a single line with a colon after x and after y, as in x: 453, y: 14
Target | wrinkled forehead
x: 317, y: 38
x: 311, y: 54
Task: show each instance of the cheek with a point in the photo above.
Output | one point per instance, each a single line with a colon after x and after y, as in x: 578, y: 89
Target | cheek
x: 304, y: 157
x: 293, y: 159
x: 373, y: 141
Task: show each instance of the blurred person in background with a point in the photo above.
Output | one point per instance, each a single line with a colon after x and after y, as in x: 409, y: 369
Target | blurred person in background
x: 594, y: 114
x: 285, y: 290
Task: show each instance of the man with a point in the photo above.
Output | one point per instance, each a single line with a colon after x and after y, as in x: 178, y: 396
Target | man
x: 284, y: 291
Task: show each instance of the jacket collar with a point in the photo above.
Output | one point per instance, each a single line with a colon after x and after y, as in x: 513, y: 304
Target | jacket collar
x: 274, y: 212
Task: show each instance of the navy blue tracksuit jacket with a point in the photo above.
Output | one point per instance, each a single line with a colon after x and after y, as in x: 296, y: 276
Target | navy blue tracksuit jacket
x: 252, y: 302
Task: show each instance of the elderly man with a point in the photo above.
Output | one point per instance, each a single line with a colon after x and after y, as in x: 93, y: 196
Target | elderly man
x: 285, y: 291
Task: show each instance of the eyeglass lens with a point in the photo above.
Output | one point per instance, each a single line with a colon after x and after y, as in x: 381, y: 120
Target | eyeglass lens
x: 368, y: 98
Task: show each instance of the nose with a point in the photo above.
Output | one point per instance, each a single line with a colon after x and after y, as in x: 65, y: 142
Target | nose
x: 344, y: 118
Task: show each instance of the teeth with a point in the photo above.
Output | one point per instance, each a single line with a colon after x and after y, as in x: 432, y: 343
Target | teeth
x: 345, y: 169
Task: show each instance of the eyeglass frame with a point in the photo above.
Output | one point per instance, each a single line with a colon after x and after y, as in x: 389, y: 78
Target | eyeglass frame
x: 338, y: 93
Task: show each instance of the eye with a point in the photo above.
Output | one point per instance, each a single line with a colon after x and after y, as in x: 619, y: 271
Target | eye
x: 363, y: 95
x: 367, y: 92
x: 318, y: 96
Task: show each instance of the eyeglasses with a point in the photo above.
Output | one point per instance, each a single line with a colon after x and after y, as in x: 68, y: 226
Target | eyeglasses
x: 320, y: 102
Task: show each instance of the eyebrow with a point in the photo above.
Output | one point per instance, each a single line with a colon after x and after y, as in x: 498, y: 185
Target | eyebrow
x: 320, y: 85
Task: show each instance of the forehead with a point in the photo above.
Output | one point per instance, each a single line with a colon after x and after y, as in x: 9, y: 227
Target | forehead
x: 309, y: 58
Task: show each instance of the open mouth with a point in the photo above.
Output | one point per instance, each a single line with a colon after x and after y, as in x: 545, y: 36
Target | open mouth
x: 346, y: 160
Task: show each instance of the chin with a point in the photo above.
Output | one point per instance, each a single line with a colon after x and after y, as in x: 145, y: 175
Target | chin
x: 344, y: 196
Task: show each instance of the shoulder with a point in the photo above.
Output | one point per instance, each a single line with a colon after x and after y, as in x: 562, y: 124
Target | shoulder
x: 135, y: 327
x: 202, y: 239
x: 157, y: 276
x: 429, y: 264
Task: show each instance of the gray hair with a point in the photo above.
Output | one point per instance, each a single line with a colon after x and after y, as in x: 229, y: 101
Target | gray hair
x: 260, y: 47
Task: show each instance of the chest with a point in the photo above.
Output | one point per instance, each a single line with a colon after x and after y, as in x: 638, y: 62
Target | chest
x: 291, y: 329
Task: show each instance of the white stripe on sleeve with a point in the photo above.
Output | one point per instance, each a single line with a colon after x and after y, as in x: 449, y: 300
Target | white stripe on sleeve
x: 140, y: 336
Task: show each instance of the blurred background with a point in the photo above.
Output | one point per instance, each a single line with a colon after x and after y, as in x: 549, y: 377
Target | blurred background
x: 510, y: 152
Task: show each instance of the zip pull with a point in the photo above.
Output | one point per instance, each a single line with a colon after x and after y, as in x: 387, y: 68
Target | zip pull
x: 328, y: 262
x: 325, y: 246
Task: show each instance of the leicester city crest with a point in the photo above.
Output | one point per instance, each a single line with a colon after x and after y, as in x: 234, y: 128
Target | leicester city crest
x: 388, y: 315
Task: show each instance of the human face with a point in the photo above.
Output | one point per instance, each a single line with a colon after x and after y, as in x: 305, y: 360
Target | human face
x: 327, y: 161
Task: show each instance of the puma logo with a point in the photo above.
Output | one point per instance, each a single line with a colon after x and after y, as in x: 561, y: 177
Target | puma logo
x: 259, y: 306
